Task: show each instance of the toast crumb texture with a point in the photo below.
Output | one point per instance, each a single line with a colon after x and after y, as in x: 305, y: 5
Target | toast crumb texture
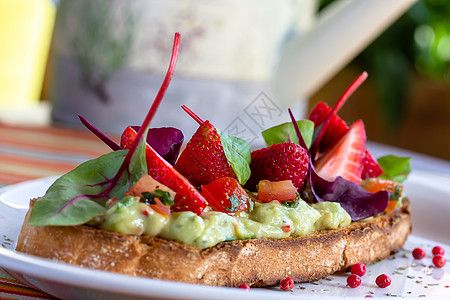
x: 256, y: 262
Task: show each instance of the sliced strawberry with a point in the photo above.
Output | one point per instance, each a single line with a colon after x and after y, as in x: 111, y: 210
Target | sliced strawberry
x: 371, y: 168
x: 345, y: 157
x: 335, y: 130
x: 284, y: 161
x: 187, y: 197
x: 226, y: 195
x: 203, y: 160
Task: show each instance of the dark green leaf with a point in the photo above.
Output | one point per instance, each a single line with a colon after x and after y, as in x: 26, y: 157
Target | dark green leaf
x: 163, y: 196
x: 237, y: 152
x: 292, y: 204
x: 395, y: 168
x: 286, y: 133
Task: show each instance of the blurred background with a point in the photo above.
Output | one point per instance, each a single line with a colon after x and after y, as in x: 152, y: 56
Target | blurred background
x: 406, y: 99
x: 105, y: 60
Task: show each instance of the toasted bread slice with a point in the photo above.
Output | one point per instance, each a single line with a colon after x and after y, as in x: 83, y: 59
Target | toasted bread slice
x: 256, y: 262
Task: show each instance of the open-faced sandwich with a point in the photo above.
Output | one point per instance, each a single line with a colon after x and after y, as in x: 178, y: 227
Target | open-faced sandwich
x: 311, y: 203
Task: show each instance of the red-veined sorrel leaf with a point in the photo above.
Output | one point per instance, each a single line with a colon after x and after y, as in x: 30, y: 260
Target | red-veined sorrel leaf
x: 80, y: 195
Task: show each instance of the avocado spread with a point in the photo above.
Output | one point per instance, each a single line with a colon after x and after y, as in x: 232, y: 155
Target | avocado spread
x: 271, y: 219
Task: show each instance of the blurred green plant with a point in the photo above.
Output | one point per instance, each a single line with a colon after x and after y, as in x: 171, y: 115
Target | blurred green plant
x: 419, y: 41
x: 101, y: 39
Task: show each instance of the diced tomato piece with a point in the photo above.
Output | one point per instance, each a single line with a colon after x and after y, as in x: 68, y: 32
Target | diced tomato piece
x: 286, y: 228
x: 394, y: 188
x: 276, y: 190
x: 147, y: 184
x: 374, y: 185
x: 392, y: 204
x: 219, y: 192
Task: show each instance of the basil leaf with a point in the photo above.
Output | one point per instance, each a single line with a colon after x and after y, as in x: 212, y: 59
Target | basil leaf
x: 395, y: 168
x: 286, y: 133
x: 237, y: 152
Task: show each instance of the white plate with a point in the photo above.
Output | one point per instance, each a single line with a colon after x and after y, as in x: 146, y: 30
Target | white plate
x: 430, y: 195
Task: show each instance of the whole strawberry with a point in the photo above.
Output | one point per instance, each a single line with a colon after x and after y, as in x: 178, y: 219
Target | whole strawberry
x: 203, y: 160
x: 285, y: 161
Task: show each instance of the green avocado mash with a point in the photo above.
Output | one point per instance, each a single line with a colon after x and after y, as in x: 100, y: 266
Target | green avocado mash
x: 274, y: 220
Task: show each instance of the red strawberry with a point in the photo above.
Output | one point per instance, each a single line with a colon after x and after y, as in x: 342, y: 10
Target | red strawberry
x: 345, y: 157
x: 335, y: 130
x: 187, y: 197
x: 203, y: 160
x: 285, y: 161
x: 371, y: 168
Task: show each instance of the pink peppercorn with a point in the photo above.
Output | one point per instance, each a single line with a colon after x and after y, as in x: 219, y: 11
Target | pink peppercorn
x: 244, y: 286
x: 358, y: 269
x: 353, y: 280
x: 439, y: 261
x: 287, y: 284
x: 383, y: 281
x: 437, y: 250
x: 418, y: 253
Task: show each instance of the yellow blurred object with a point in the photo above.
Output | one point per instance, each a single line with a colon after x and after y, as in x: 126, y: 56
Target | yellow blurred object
x: 26, y: 28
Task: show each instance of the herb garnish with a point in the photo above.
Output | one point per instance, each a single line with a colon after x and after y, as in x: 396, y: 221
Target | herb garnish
x: 163, y: 196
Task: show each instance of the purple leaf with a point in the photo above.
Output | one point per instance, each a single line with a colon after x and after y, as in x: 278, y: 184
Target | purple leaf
x: 358, y: 203
x: 166, y: 141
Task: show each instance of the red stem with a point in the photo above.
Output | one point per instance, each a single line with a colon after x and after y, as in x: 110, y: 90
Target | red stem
x: 192, y: 114
x: 350, y: 90
x: 301, y: 141
x: 151, y: 113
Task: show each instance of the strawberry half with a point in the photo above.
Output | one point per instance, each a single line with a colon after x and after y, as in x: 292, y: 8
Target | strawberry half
x: 371, y: 168
x: 345, y: 157
x: 203, y: 160
x: 187, y: 197
x: 284, y: 161
x: 335, y: 130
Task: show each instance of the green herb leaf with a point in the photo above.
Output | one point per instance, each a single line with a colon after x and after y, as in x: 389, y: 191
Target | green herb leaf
x: 235, y: 202
x: 292, y: 204
x: 126, y: 201
x: 286, y: 133
x: 237, y: 152
x: 394, y: 167
x: 163, y: 196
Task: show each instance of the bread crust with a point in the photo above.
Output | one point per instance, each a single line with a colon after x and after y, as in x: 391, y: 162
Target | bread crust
x: 256, y: 262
